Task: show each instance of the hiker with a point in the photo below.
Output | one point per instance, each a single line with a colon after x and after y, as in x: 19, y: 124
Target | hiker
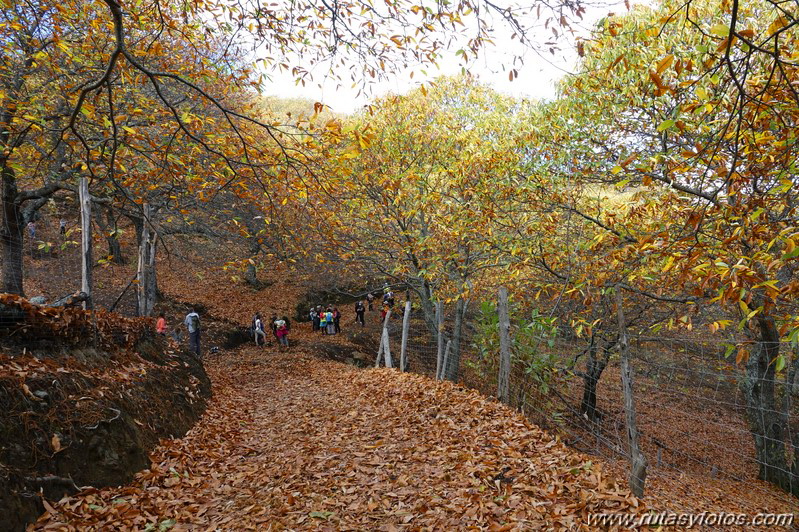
x: 322, y: 321
x: 160, y: 325
x: 192, y: 323
x: 282, y: 332
x: 331, y: 326
x: 273, y: 322
x: 370, y: 298
x: 31, y: 230
x: 314, y: 318
x: 359, y: 310
x: 336, y: 320
x: 258, y: 330
x: 62, y: 226
x: 384, y: 312
x: 388, y: 298
x: 288, y: 323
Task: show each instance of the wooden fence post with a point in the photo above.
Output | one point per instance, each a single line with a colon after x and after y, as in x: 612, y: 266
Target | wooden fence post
x: 503, y: 381
x: 384, y: 347
x: 446, y: 358
x: 380, y: 350
x: 86, y: 261
x: 637, y: 458
x: 440, y: 339
x: 406, y: 323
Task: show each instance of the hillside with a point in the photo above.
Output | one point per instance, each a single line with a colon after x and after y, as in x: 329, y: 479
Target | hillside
x: 292, y: 439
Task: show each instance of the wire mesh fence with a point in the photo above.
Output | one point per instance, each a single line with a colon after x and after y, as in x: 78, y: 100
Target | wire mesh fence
x: 702, y: 409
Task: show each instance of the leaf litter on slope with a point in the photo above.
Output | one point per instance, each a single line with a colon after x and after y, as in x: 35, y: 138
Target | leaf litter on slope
x: 295, y: 442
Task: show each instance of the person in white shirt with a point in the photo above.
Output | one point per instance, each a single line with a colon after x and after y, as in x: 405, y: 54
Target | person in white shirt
x: 192, y: 322
x: 259, y: 330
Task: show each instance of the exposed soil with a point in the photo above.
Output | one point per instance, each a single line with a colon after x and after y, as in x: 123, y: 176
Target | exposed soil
x: 84, y: 409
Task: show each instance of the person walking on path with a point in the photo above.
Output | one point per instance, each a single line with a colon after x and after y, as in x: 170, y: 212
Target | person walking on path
x: 359, y: 310
x: 282, y: 332
x: 160, y: 325
x: 62, y: 226
x: 192, y: 323
x: 273, y: 325
x: 370, y: 298
x: 314, y: 318
x: 337, y: 320
x: 258, y: 330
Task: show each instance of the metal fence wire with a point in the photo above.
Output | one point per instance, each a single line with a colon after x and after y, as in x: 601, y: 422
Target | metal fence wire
x: 690, y: 398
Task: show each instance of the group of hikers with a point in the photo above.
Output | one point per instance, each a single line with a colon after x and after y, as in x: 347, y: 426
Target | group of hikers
x: 280, y: 329
x: 192, y: 323
x: 328, y: 321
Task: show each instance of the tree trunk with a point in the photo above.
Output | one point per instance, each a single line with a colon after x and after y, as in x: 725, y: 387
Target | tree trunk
x: 593, y: 371
x: 425, y: 293
x: 765, y: 418
x: 453, y: 365
x: 12, y: 235
x: 503, y: 380
x: 251, y: 272
x: 86, y: 257
x: 147, y: 288
x: 439, y: 340
x: 110, y: 231
x: 251, y: 275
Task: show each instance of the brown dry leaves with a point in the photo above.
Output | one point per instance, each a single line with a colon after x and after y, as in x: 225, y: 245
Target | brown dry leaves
x: 72, y: 326
x: 296, y: 442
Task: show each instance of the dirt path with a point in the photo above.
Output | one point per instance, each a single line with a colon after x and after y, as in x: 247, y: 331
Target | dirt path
x: 291, y: 441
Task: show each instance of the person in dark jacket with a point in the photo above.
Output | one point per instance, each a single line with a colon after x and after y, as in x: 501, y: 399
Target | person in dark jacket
x: 337, y: 319
x: 359, y: 310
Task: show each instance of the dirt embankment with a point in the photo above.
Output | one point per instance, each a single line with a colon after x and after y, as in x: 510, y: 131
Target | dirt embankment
x: 83, y: 400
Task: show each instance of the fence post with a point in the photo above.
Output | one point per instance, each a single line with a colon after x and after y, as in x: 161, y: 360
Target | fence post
x: 637, y: 458
x: 384, y: 349
x: 503, y: 381
x: 439, y: 339
x: 445, y: 360
x: 86, y: 261
x: 406, y: 323
x: 380, y: 351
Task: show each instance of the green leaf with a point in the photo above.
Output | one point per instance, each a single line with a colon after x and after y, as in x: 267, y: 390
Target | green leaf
x: 722, y: 30
x: 666, y: 124
x: 320, y: 515
x: 780, y: 362
x: 793, y: 253
x: 166, y: 524
x: 729, y: 350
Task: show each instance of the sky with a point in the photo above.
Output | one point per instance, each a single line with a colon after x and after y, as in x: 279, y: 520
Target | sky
x: 536, y: 77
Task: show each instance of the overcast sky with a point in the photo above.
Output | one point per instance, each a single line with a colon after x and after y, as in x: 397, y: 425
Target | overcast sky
x: 536, y: 77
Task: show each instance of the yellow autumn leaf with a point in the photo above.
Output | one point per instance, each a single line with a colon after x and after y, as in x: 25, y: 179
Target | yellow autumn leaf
x: 665, y: 63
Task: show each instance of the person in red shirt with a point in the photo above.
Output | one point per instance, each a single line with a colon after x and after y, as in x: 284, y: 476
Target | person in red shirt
x: 160, y: 325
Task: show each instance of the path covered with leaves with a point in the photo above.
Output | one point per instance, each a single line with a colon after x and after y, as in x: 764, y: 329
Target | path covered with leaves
x: 291, y: 441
